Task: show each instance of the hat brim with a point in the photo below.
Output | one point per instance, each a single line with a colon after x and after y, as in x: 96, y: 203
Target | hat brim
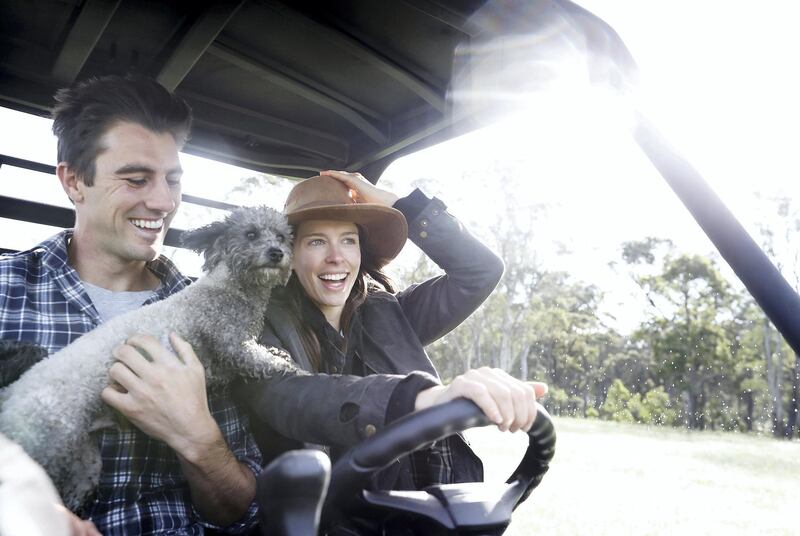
x: 386, y: 227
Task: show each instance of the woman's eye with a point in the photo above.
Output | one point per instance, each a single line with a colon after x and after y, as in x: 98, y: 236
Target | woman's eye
x: 316, y: 242
x: 350, y: 241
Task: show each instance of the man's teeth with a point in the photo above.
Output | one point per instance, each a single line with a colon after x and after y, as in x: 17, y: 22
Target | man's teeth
x: 148, y: 224
x: 333, y: 277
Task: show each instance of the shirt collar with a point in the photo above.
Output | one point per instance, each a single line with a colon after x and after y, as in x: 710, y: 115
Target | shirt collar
x: 55, y: 258
x: 54, y: 251
x: 171, y: 278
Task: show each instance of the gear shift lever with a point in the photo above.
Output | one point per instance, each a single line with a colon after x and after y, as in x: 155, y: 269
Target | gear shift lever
x: 291, y: 491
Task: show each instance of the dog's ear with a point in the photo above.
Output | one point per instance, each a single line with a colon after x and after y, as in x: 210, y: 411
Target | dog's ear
x: 202, y: 238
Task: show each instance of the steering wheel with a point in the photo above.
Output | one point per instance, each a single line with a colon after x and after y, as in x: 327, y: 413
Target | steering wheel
x: 441, y: 509
x: 292, y: 488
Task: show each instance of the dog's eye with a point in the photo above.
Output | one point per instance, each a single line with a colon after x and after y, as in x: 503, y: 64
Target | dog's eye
x: 280, y: 238
x: 251, y: 235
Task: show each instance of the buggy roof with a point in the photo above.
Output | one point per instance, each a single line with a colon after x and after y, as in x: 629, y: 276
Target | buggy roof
x: 283, y: 87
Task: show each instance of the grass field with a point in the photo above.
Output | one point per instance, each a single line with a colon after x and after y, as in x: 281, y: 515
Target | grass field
x: 609, y: 478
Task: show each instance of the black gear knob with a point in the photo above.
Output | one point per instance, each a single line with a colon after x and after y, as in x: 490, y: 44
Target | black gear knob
x: 291, y: 491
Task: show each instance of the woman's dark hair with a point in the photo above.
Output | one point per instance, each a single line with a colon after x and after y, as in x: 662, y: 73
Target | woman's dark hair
x: 370, y: 279
x: 85, y: 111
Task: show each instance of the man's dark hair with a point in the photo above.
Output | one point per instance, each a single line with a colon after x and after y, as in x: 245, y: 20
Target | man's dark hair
x: 85, y: 111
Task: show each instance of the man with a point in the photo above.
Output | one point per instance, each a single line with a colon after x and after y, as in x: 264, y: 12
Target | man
x: 181, y: 459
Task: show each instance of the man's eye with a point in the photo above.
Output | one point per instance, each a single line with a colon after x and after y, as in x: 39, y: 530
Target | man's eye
x: 136, y: 182
x: 174, y: 182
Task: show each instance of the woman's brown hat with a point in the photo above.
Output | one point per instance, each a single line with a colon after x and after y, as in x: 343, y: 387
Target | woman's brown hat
x: 325, y: 198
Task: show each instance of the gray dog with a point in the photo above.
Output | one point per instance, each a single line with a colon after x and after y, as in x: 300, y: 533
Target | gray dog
x: 53, y: 408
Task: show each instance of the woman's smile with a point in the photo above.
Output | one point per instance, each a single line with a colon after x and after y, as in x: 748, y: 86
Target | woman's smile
x: 334, y: 281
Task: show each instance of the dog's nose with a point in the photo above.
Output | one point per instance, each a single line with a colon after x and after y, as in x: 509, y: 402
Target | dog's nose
x: 275, y: 254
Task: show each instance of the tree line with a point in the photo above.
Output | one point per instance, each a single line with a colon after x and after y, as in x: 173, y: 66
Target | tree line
x: 703, y: 357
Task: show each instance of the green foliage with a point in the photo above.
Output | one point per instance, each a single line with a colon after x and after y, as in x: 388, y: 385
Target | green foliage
x: 643, y: 251
x: 656, y: 408
x: 692, y: 350
x: 557, y: 401
x: 619, y: 403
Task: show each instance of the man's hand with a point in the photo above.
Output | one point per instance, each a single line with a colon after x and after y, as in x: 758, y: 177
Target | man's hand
x: 361, y: 190
x: 78, y: 526
x: 507, y: 401
x: 164, y: 396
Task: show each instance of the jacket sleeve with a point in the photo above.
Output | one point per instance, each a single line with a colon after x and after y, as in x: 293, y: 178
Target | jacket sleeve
x: 326, y: 409
x: 472, y: 271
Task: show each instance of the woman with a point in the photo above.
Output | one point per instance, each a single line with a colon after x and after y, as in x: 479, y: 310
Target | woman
x: 339, y: 316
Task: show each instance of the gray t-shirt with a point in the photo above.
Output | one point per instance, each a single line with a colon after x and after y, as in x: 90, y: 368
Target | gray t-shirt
x: 110, y: 304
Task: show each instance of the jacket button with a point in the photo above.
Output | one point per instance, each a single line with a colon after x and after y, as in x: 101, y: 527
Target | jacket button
x: 423, y: 234
x: 435, y: 212
x: 424, y: 223
x: 335, y: 370
x: 369, y: 430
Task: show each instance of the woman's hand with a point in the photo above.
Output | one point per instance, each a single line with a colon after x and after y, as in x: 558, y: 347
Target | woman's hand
x: 361, y: 190
x: 507, y: 401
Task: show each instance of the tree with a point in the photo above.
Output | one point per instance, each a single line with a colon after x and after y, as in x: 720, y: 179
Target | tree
x: 617, y: 404
x: 749, y: 367
x: 690, y: 301
x: 514, y: 237
x: 785, y: 253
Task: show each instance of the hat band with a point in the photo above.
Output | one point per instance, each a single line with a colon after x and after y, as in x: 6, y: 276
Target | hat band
x: 319, y: 204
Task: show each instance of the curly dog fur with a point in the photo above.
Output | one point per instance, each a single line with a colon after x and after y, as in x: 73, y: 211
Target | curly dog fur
x: 54, y: 407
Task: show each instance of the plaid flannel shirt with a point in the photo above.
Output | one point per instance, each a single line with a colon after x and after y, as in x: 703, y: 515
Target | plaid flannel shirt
x: 142, y: 489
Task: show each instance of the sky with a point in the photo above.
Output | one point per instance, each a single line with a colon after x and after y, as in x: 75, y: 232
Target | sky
x: 719, y: 78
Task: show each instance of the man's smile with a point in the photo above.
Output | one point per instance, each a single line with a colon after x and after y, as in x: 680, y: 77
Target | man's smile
x: 151, y: 225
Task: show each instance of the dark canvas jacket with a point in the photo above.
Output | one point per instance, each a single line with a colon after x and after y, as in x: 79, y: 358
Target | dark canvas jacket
x: 388, y: 339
